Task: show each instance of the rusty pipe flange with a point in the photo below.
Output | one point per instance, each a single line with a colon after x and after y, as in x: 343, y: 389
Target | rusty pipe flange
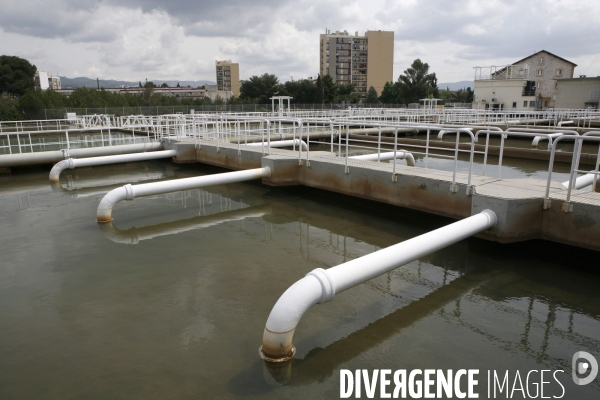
x: 276, y: 360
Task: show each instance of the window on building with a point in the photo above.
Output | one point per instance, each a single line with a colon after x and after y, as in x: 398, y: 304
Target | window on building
x: 537, y: 85
x: 541, y: 60
x: 540, y: 72
x: 514, y: 104
x: 532, y: 103
x: 559, y: 72
x: 595, y: 95
x: 525, y: 103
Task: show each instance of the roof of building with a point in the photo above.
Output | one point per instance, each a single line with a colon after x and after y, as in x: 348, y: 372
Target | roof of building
x: 543, y: 51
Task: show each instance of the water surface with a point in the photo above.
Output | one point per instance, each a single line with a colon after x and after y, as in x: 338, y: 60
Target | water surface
x: 171, y: 300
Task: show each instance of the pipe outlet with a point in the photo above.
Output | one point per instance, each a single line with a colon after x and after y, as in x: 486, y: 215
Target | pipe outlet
x: 320, y: 286
x: 60, y: 167
x: 316, y: 287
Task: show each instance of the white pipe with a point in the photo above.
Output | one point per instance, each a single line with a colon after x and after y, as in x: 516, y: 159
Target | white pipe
x: 47, y: 157
x: 581, y: 182
x: 320, y: 286
x: 400, y: 154
x: 130, y: 192
x: 537, y: 139
x: 71, y: 163
x: 282, y: 143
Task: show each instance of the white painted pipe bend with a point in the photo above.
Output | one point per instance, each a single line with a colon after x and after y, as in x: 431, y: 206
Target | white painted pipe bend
x: 320, y: 285
x: 536, y: 140
x: 129, y: 192
x: 581, y: 182
x: 400, y: 155
x: 281, y: 143
x: 71, y: 163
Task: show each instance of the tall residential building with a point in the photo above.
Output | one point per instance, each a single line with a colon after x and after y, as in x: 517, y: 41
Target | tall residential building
x: 228, y: 77
x: 44, y: 81
x: 364, y: 61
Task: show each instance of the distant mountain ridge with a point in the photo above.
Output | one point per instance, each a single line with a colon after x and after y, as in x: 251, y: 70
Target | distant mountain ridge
x: 72, y: 83
x: 456, y: 85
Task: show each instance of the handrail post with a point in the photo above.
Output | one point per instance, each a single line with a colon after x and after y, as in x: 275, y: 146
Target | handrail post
x: 347, y: 137
x: 394, y: 177
x: 453, y: 186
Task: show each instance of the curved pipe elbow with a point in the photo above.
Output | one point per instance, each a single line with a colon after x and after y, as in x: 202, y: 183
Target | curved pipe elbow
x: 410, y: 159
x: 315, y: 287
x: 60, y: 167
x: 104, y: 212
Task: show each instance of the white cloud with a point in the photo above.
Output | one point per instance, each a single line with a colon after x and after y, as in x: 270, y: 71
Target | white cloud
x: 160, y: 39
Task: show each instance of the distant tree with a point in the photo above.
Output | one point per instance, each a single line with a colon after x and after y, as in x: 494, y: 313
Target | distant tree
x: 346, y: 92
x: 32, y: 100
x: 372, y: 96
x: 260, y: 88
x: 329, y: 89
x: 141, y: 84
x: 178, y: 84
x: 389, y: 94
x: 218, y: 101
x: 302, y: 91
x: 8, y: 108
x: 416, y: 83
x: 147, y: 95
x: 16, y: 75
x: 319, y: 92
x: 83, y: 97
x: 469, y: 98
x: 446, y: 95
x: 463, y: 96
x: 164, y: 84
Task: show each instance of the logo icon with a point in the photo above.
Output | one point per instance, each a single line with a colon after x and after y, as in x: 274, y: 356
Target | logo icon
x: 581, y: 367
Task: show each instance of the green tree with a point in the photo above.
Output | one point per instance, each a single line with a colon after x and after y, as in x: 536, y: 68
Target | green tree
x: 16, y: 75
x: 346, y: 92
x: 416, y: 83
x: 260, y: 88
x: 32, y: 100
x: 53, y: 99
x: 218, y: 101
x: 302, y: 91
x: 164, y: 85
x: 463, y: 96
x: 8, y: 108
x: 446, y: 95
x: 389, y: 94
x: 372, y: 96
x: 319, y: 92
x: 329, y: 89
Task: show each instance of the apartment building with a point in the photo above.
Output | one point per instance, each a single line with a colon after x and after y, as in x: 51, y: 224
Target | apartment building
x: 44, y: 81
x: 228, y: 77
x: 530, y: 83
x: 364, y: 61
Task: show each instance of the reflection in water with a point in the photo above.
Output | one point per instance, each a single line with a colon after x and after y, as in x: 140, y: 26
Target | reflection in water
x: 134, y: 235
x: 182, y: 315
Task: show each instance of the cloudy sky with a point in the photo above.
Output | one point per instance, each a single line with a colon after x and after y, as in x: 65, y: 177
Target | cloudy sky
x: 181, y: 39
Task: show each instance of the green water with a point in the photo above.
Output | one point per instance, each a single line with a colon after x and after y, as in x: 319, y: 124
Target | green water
x: 180, y: 313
